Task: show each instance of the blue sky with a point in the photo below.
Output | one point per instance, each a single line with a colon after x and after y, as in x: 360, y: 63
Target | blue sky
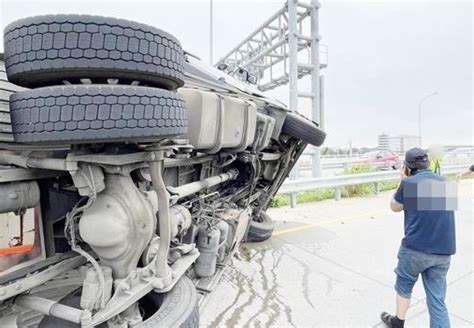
x: 383, y: 57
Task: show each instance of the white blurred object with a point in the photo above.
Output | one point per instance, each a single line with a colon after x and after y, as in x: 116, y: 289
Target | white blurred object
x: 436, y: 151
x: 462, y: 152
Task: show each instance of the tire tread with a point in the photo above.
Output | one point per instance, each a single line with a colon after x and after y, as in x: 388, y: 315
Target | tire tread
x: 55, y: 47
x: 79, y: 113
x: 302, y: 128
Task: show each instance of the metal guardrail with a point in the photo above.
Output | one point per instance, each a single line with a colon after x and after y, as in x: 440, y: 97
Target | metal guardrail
x: 325, y: 166
x: 340, y: 163
x: 338, y: 182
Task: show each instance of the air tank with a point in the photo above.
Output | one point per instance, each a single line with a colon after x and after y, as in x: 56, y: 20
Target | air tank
x: 208, y: 244
x: 222, y: 250
x: 17, y: 196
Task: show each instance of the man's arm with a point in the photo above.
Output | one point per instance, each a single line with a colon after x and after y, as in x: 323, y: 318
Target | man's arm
x: 395, y: 206
x: 396, y: 203
x: 466, y: 173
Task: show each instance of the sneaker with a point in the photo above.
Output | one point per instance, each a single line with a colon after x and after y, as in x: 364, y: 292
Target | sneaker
x: 392, y: 321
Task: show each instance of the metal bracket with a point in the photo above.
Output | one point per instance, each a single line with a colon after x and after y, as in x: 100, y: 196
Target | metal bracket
x: 138, y: 283
x: 23, y: 285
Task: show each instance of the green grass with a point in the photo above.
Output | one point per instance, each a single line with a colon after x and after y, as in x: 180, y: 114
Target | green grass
x: 454, y: 176
x: 358, y: 190
x: 280, y: 200
x: 315, y: 196
x: 318, y: 195
x: 390, y: 185
x: 303, y: 197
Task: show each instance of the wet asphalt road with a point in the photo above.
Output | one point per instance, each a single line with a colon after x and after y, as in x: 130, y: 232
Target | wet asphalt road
x: 330, y: 264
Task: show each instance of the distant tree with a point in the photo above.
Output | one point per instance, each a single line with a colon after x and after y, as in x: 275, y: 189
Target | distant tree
x: 327, y: 151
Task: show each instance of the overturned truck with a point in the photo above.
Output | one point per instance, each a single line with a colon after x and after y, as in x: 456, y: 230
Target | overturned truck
x: 130, y: 172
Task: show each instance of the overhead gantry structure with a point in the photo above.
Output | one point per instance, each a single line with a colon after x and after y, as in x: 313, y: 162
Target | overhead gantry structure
x: 273, y: 54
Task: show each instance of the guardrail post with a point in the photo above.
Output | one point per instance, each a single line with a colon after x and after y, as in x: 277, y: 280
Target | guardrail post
x: 293, y: 200
x: 337, y: 195
x: 376, y: 188
x: 294, y: 174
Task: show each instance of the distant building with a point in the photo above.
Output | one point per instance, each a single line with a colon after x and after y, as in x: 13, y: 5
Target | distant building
x: 398, y: 144
x: 384, y: 141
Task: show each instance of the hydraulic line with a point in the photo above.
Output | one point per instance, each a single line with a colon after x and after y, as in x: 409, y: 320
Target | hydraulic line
x: 194, y: 187
x: 27, y: 162
x: 49, y: 307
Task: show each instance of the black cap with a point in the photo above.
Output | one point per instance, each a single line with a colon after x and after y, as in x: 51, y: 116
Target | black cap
x: 416, y: 158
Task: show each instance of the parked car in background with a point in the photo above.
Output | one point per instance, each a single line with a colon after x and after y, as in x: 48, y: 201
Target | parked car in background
x: 383, y: 159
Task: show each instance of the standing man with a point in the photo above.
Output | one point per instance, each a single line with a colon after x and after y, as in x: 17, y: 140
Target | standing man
x: 429, y: 239
x: 435, y: 156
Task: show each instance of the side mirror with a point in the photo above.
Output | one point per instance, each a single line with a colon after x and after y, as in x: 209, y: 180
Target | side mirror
x: 245, y: 76
x: 252, y: 79
x: 222, y: 66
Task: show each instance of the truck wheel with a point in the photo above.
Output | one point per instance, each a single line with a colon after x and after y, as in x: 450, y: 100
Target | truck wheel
x: 45, y: 50
x: 302, y: 128
x: 260, y: 228
x: 177, y: 308
x: 96, y: 113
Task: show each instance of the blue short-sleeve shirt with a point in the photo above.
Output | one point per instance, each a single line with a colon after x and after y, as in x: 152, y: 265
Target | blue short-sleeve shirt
x: 471, y: 168
x: 429, y: 225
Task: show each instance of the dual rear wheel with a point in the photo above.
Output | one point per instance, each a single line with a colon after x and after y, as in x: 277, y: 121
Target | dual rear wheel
x: 97, y: 79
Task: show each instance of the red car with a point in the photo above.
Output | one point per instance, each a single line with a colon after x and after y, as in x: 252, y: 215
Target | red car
x: 384, y: 159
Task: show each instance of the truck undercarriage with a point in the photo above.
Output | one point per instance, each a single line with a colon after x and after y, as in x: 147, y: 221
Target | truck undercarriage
x: 126, y: 188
